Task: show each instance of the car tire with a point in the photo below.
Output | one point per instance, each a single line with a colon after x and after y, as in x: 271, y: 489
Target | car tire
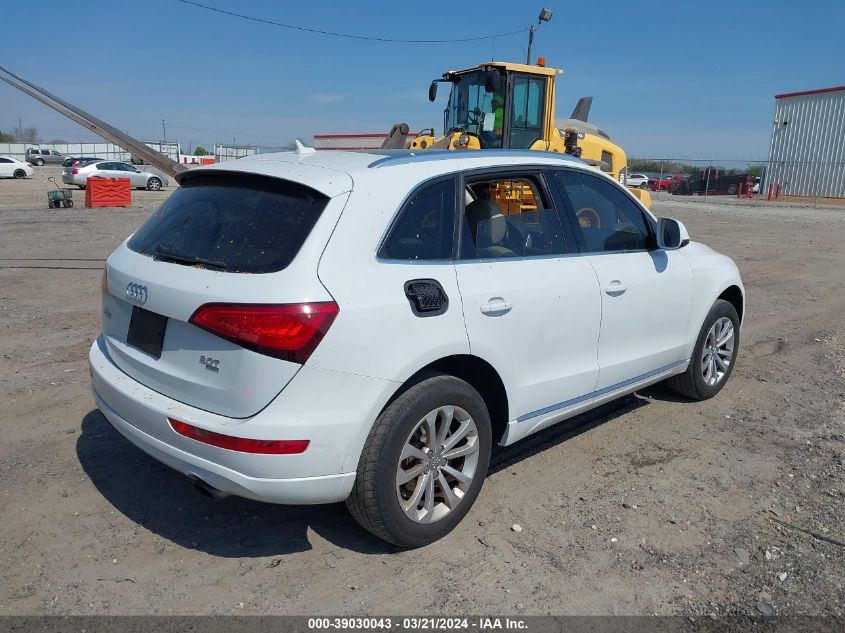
x: 644, y: 185
x: 154, y: 184
x: 19, y: 173
x: 702, y: 380
x: 39, y: 162
x: 69, y: 204
x: 398, y: 445
x: 731, y: 190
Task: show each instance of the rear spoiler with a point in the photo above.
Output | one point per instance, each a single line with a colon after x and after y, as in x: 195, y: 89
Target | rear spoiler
x: 90, y: 122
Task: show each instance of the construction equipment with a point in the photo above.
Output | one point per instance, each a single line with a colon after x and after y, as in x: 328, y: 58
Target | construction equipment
x: 504, y: 105
x: 89, y: 121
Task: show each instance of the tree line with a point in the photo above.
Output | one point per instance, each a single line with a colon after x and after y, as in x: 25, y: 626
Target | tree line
x: 22, y: 135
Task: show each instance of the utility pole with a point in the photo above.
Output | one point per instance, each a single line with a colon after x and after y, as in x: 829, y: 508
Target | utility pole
x: 163, y: 132
x: 530, y: 43
x: 20, y: 128
x: 545, y: 16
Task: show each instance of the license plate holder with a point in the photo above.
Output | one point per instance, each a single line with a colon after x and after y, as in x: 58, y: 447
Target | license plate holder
x: 146, y: 331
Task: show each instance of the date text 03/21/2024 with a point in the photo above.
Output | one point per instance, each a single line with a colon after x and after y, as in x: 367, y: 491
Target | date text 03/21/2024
x: 418, y: 623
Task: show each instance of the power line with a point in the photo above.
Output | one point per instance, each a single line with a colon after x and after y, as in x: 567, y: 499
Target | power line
x: 349, y: 35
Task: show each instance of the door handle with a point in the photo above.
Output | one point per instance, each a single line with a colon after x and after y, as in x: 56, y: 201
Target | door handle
x: 496, y: 306
x: 615, y: 288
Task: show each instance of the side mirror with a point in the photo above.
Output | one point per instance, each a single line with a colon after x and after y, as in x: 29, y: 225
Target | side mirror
x: 671, y: 234
x: 432, y: 91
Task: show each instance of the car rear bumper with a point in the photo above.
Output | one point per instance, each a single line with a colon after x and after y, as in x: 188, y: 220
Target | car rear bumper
x: 140, y: 414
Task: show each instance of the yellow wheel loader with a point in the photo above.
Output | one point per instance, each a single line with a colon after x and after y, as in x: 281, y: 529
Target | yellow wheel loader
x: 502, y: 105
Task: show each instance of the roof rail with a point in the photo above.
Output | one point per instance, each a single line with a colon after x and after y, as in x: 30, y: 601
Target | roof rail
x: 407, y: 157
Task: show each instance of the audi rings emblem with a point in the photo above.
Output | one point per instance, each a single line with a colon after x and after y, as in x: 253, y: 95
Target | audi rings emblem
x: 136, y: 293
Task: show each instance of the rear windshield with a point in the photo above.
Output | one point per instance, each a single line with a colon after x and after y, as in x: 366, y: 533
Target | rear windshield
x: 234, y: 223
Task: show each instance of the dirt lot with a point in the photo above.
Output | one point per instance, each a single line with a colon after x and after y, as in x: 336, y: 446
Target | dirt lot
x: 647, y: 508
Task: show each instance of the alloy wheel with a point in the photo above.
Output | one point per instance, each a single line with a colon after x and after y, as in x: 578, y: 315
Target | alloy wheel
x: 438, y: 464
x: 717, y: 353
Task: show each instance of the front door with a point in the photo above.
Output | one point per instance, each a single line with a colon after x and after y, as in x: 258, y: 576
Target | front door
x: 531, y: 304
x: 646, y: 293
x: 134, y: 175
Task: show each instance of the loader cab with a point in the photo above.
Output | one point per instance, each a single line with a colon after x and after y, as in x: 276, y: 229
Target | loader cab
x: 500, y: 106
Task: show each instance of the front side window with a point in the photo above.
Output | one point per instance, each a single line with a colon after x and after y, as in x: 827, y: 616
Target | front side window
x: 4, y: 160
x: 607, y: 219
x: 509, y: 217
x: 475, y: 110
x: 424, y: 229
x: 526, y: 111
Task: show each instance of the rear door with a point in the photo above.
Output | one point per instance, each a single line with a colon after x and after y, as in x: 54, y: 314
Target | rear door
x: 531, y: 303
x: 233, y: 239
x: 646, y: 293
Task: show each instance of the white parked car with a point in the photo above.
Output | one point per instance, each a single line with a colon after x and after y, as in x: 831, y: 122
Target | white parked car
x: 637, y: 180
x: 111, y: 169
x: 308, y: 328
x: 14, y: 168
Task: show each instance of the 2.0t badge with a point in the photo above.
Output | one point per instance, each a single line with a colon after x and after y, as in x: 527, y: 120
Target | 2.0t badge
x: 136, y: 293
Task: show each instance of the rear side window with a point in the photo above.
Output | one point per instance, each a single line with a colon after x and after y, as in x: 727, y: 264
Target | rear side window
x: 234, y: 223
x: 425, y: 226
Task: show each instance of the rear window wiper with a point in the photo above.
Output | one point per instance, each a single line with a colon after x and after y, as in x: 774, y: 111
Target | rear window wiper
x: 164, y: 253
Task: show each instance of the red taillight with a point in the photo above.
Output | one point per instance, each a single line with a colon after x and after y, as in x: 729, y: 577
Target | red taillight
x: 75, y: 171
x: 240, y: 444
x: 290, y: 332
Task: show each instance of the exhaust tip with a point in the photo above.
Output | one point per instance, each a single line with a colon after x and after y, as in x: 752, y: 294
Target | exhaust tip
x: 208, y: 490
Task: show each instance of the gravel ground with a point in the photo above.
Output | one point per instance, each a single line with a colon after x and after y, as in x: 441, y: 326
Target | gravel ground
x: 653, y: 505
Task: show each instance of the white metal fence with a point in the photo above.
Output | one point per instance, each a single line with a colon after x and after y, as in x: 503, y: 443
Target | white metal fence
x: 108, y: 151
x: 222, y: 153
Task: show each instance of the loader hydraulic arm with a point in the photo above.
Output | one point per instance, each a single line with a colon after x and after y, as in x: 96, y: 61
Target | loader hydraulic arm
x: 90, y: 122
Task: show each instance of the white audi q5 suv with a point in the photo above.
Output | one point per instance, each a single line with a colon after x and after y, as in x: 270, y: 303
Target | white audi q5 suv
x: 312, y: 327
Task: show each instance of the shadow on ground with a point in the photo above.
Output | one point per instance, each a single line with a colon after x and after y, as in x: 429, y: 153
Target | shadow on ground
x: 166, y: 503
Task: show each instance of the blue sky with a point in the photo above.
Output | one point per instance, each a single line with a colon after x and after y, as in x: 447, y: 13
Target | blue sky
x: 693, y: 79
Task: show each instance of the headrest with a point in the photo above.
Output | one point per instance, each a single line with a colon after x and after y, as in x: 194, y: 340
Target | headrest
x: 486, y: 223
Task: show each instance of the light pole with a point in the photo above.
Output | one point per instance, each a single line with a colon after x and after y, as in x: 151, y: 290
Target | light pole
x: 545, y: 16
x: 163, y: 132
